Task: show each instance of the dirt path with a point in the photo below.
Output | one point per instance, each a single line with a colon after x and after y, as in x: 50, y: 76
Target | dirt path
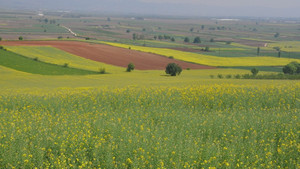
x: 110, y: 55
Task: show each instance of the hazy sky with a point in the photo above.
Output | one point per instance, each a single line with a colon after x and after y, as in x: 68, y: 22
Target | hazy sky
x: 264, y: 8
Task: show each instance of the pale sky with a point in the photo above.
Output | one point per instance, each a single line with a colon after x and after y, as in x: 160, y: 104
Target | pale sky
x: 257, y: 8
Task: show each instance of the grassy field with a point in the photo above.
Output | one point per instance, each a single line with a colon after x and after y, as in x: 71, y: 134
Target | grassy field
x: 24, y: 64
x: 59, y: 57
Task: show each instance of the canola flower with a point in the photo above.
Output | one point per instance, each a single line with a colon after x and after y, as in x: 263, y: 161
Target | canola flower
x: 201, y: 126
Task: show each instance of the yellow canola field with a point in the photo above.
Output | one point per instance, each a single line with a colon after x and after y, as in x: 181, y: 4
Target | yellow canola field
x: 208, y: 59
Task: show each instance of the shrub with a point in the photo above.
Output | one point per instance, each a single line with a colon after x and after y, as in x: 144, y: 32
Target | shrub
x: 237, y: 76
x: 60, y: 37
x: 186, y: 39
x: 254, y: 71
x: 171, y: 57
x: 102, y: 70
x: 197, y: 40
x: 206, y: 49
x: 66, y: 65
x: 246, y: 76
x: 220, y: 76
x: 1, y: 47
x: 87, y: 38
x: 173, y: 69
x: 188, y: 68
x: 130, y: 67
x: 0, y: 39
x: 211, y: 76
x: 21, y: 38
x: 291, y: 68
x: 228, y: 76
x: 36, y: 59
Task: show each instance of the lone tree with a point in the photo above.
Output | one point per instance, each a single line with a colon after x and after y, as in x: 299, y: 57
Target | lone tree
x: 20, y: 38
x: 130, y: 67
x: 0, y: 39
x: 186, y: 39
x: 258, y: 51
x: 291, y: 68
x: 173, y: 69
x: 254, y: 71
x: 197, y: 40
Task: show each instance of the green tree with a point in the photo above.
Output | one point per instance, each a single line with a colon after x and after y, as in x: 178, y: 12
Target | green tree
x: 254, y: 71
x: 21, y: 38
x: 173, y: 69
x: 173, y: 39
x: 202, y: 27
x: 134, y: 36
x: 0, y: 38
x: 291, y: 68
x: 276, y: 35
x: 130, y: 67
x: 197, y: 40
x: 258, y: 51
x: 186, y: 39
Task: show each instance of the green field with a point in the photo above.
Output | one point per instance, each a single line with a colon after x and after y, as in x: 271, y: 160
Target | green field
x: 59, y: 57
x: 24, y: 64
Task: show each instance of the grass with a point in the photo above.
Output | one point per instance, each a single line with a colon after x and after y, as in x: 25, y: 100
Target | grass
x: 21, y: 63
x: 221, y: 126
x: 59, y: 57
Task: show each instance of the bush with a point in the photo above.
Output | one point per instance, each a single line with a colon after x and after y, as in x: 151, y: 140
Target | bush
x: 66, y: 65
x: 173, y: 69
x: 228, y: 76
x: 60, y: 37
x: 130, y: 67
x: 220, y: 76
x: 1, y: 47
x: 102, y: 70
x: 211, y: 76
x: 291, y: 68
x: 21, y: 38
x: 171, y: 57
x: 197, y: 40
x: 254, y: 71
x: 0, y: 39
x: 206, y: 49
x: 237, y: 76
x: 36, y: 59
x: 186, y: 39
x: 87, y: 38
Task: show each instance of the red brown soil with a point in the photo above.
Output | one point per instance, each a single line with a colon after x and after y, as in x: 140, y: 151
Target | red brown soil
x: 110, y: 55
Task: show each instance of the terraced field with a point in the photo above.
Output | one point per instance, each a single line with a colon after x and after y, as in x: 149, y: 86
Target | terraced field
x: 211, y: 60
x: 110, y: 55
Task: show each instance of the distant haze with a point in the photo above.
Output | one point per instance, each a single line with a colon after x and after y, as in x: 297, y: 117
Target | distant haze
x: 256, y: 8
